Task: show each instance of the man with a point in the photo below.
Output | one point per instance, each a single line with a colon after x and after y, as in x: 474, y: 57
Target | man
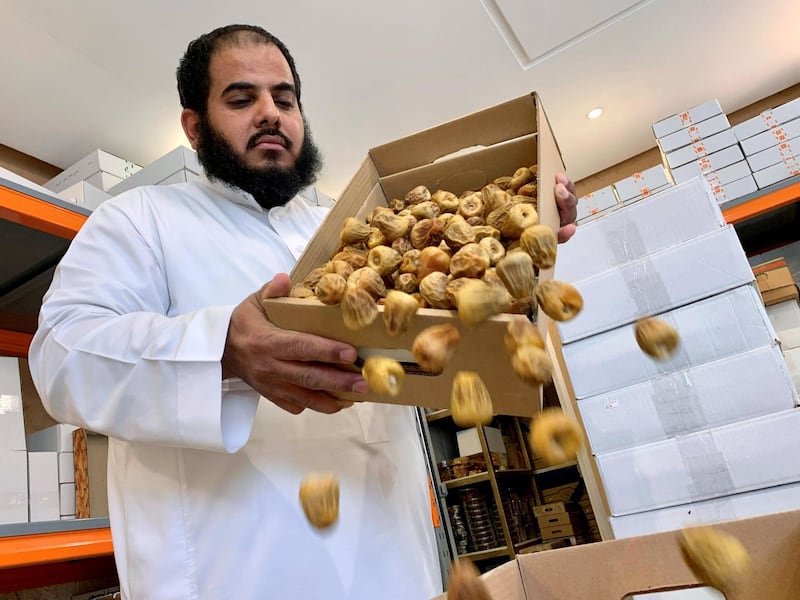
x: 143, y: 336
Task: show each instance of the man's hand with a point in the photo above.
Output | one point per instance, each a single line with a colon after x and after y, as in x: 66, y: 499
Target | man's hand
x: 567, y: 203
x: 293, y: 370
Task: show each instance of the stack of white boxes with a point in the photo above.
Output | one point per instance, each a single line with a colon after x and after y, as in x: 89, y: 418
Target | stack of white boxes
x: 52, y: 450
x: 13, y: 457
x: 700, y: 143
x: 642, y: 185
x: 88, y: 181
x: 179, y: 165
x: 596, y: 203
x: 684, y: 439
x: 771, y: 143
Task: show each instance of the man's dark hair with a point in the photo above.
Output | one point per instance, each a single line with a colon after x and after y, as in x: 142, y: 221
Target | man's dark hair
x: 193, y: 75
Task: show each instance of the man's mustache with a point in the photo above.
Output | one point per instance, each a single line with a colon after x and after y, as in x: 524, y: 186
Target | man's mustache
x: 256, y: 138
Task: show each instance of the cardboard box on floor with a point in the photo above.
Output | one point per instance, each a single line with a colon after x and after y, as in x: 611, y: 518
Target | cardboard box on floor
x: 775, y: 282
x: 653, y: 563
x: 460, y: 155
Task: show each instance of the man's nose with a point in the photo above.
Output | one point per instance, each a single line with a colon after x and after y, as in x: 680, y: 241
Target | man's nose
x: 267, y: 113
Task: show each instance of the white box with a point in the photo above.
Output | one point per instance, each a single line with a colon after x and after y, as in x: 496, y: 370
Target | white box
x: 768, y: 119
x: 659, y: 282
x: 685, y: 119
x: 469, y: 443
x: 723, y: 325
x: 12, y: 423
x: 711, y: 162
x: 642, y: 184
x: 43, y: 486
x: 89, y: 166
x: 182, y: 176
x: 85, y: 194
x: 671, y: 217
x: 174, y: 161
x: 727, y: 175
x: 729, y: 508
x: 66, y: 467
x: 771, y: 137
x: 784, y: 152
x: 596, y: 202
x: 700, y: 148
x: 732, y: 389
x: 776, y: 173
x: 103, y: 181
x: 314, y: 197
x: 66, y: 493
x: 649, y: 194
x: 693, y: 133
x: 740, y: 457
x: 734, y: 189
x: 13, y: 486
x: 57, y: 438
x: 784, y: 315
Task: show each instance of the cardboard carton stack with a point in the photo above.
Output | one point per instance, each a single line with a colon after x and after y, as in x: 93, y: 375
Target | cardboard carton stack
x: 690, y: 428
x: 179, y: 165
x: 13, y: 457
x: 779, y: 291
x: 596, y: 203
x: 771, y: 143
x: 642, y: 185
x: 559, y: 520
x: 51, y: 451
x: 700, y: 143
x: 88, y: 181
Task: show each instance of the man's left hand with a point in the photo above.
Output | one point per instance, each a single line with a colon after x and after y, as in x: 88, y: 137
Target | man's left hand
x: 567, y: 203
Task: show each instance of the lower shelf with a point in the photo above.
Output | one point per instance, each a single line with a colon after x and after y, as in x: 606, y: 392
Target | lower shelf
x: 43, y: 548
x: 486, y: 554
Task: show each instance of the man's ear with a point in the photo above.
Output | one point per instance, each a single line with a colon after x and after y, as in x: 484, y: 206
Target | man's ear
x: 190, y: 121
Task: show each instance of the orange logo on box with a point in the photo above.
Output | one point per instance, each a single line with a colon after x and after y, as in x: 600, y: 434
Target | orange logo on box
x: 685, y: 118
x: 699, y: 148
x: 645, y: 191
x: 704, y: 163
x: 779, y: 133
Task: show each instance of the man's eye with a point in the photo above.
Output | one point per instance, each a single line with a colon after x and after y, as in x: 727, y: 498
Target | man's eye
x: 284, y: 102
x: 239, y: 102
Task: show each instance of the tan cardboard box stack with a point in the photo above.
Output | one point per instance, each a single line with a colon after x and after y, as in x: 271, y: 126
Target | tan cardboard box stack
x: 699, y: 142
x: 780, y: 294
x: 464, y: 154
x: 771, y: 143
x: 691, y: 428
x: 88, y: 182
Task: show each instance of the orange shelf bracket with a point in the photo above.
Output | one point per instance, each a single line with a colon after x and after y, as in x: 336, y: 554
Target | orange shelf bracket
x: 762, y: 204
x: 14, y: 343
x: 42, y: 548
x: 39, y: 214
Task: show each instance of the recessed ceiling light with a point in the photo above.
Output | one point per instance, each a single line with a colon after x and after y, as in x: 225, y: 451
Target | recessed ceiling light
x: 594, y: 113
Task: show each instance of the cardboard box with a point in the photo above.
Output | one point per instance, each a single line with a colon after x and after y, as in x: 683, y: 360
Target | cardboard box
x: 682, y: 120
x: 711, y: 162
x: 739, y: 457
x: 717, y: 327
x: 67, y: 499
x: 632, y: 232
x: 91, y: 475
x: 649, y: 194
x: 315, y: 197
x: 498, y: 140
x: 642, y: 184
x: 12, y: 423
x: 700, y: 148
x: 90, y: 168
x: 103, y: 181
x: 560, y: 531
x: 43, y: 486
x: 785, y: 152
x: 693, y: 133
x: 775, y: 282
x: 618, y: 569
x: 182, y: 176
x: 13, y: 486
x: 561, y: 518
x: 159, y: 171
x: 57, y: 438
x: 596, y: 202
x: 469, y: 443
x: 659, y: 282
x: 777, y: 172
x: 561, y: 493
x: 85, y: 194
x: 768, y: 119
x: 554, y: 508
x: 727, y: 174
x: 730, y: 508
x: 732, y: 389
x: 771, y: 137
x: 66, y: 467
x: 734, y: 190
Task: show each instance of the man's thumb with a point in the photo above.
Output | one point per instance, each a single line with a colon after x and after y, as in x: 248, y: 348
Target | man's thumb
x: 277, y: 288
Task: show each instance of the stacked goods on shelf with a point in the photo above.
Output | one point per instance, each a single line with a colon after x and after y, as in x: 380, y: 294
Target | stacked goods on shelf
x: 779, y: 291
x: 692, y: 427
x: 53, y: 448
x: 596, y: 203
x: 699, y: 142
x: 771, y: 143
x: 642, y: 185
x: 559, y: 520
x: 13, y: 457
x: 179, y: 165
x: 87, y: 182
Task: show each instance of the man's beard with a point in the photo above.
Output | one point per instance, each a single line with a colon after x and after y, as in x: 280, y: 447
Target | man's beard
x: 270, y: 185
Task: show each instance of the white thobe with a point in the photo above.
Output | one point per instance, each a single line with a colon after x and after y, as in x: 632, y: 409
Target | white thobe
x: 203, y: 475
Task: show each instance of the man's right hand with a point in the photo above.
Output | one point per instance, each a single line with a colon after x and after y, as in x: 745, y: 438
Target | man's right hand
x: 293, y: 370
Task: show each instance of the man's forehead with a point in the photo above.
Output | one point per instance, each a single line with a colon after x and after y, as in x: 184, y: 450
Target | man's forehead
x: 232, y: 60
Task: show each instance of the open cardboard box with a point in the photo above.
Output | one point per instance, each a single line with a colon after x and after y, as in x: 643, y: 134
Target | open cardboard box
x: 618, y: 569
x: 464, y: 154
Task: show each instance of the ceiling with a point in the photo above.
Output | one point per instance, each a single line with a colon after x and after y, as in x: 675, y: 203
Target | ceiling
x: 76, y: 75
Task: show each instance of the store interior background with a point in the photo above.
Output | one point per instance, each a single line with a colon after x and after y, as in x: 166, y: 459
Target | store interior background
x: 87, y: 74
